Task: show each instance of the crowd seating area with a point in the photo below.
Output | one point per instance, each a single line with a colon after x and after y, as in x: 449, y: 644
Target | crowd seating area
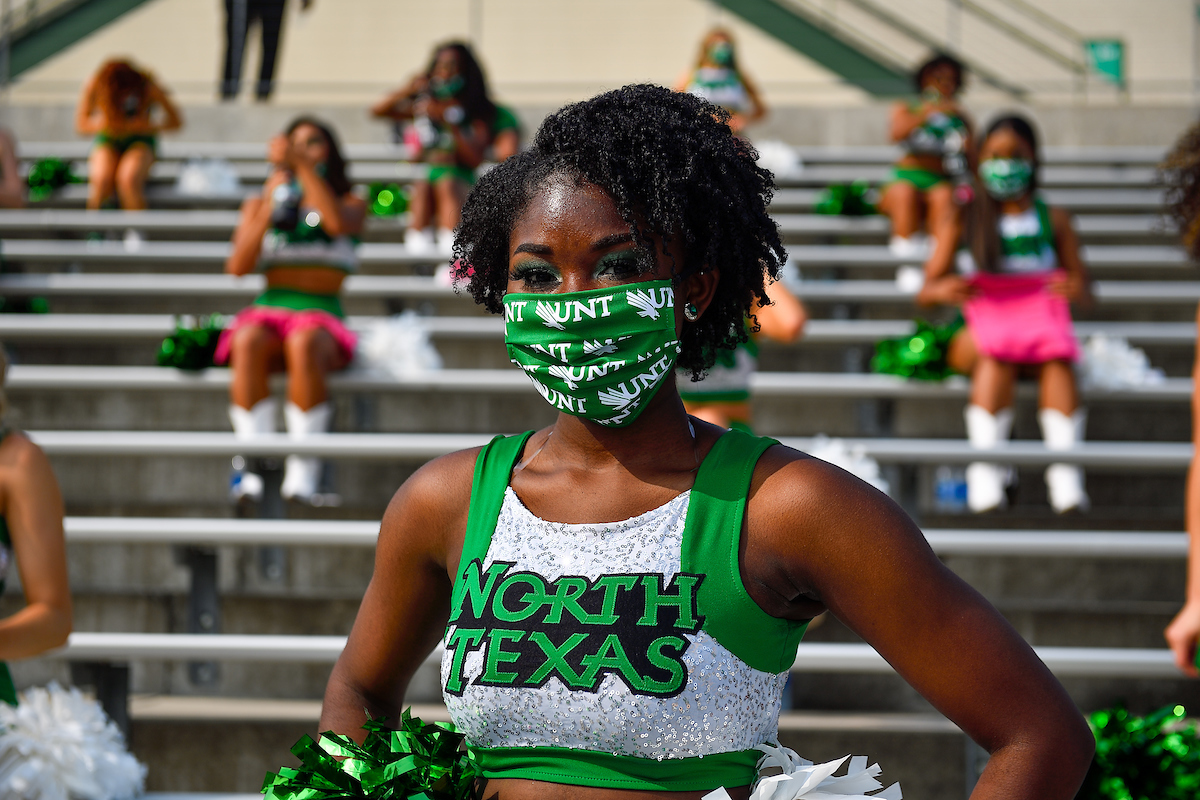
x: 202, y: 606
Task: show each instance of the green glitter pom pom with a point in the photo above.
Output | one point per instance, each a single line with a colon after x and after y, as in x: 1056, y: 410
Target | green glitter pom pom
x: 1156, y: 757
x: 192, y: 348
x: 420, y: 761
x: 48, y: 175
x: 845, y: 199
x: 920, y: 355
x: 387, y: 199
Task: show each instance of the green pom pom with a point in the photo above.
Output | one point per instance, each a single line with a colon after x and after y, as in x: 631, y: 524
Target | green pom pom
x: 387, y: 199
x: 419, y: 761
x: 845, y: 199
x: 47, y: 176
x: 920, y: 355
x: 192, y: 348
x: 1156, y: 757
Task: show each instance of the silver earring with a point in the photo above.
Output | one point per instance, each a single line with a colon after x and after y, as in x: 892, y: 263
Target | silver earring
x: 691, y: 313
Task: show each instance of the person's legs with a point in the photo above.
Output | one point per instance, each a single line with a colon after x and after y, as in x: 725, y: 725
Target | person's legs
x: 420, y: 217
x: 1062, y: 423
x: 449, y: 195
x: 270, y: 16
x: 989, y: 424
x: 102, y: 174
x: 310, y: 353
x: 255, y: 351
x: 941, y: 214
x: 237, y: 21
x: 902, y: 203
x: 132, y: 171
x: 961, y: 355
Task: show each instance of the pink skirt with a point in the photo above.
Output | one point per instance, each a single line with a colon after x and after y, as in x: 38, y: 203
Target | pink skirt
x: 1016, y: 318
x: 283, y: 322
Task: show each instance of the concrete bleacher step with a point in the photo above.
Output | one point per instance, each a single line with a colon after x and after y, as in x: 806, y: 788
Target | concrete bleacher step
x: 1115, y: 293
x: 1166, y: 456
x: 92, y: 327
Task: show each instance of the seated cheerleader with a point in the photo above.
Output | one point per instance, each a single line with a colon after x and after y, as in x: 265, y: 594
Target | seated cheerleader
x: 1015, y: 280
x: 621, y: 594
x: 718, y: 79
x: 1181, y: 173
x: 722, y: 396
x: 935, y: 134
x: 118, y: 108
x: 31, y: 529
x: 301, y: 233
x: 451, y: 118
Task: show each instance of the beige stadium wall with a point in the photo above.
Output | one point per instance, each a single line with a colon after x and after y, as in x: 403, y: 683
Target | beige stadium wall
x: 539, y: 54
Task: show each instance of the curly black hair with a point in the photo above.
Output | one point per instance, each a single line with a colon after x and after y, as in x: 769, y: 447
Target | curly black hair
x: 675, y: 171
x: 1179, y: 173
x: 935, y: 61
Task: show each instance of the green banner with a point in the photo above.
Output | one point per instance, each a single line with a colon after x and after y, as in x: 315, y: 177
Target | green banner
x: 1106, y: 57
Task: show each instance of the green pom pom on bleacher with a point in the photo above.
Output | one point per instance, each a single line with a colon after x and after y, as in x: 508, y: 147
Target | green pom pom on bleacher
x: 1156, y: 757
x: 191, y: 347
x: 846, y: 199
x: 420, y: 761
x: 387, y: 199
x: 47, y: 176
x: 920, y: 355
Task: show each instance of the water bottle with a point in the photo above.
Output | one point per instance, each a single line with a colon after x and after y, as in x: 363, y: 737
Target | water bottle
x: 950, y: 489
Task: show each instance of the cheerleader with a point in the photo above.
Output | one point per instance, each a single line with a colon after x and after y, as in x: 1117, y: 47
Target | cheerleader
x: 1014, y: 278
x: 717, y: 78
x: 935, y: 134
x: 1181, y: 174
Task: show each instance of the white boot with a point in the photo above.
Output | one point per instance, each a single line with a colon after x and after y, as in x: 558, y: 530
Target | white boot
x: 302, y: 473
x: 1064, y: 482
x: 444, y: 244
x: 419, y: 242
x: 910, y: 277
x: 248, y: 423
x: 986, y: 481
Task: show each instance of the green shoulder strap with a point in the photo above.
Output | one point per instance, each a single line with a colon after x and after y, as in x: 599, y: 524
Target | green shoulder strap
x: 711, y: 535
x: 1043, y: 212
x: 493, y: 468
x: 8, y: 692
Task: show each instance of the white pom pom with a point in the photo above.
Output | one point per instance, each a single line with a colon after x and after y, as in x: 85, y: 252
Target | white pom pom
x: 398, y: 346
x: 1109, y: 362
x: 58, y: 745
x: 796, y: 778
x: 779, y: 157
x: 852, y: 459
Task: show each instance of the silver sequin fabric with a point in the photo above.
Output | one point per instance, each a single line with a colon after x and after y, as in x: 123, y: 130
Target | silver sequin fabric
x: 725, y: 705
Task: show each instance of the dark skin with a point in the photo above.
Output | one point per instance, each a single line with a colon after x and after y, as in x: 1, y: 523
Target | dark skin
x: 993, y: 382
x: 814, y: 538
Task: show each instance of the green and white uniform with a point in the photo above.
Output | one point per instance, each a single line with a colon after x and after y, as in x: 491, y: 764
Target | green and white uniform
x: 721, y: 86
x: 1026, y: 244
x: 625, y: 655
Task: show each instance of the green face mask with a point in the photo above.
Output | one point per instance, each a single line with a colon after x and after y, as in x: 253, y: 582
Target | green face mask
x: 1006, y: 178
x: 600, y: 354
x: 721, y: 54
x: 445, y: 89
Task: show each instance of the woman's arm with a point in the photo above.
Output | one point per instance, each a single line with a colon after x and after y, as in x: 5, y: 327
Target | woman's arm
x: 905, y: 119
x: 758, y: 108
x: 784, y: 319
x: 943, y: 285
x: 87, y: 121
x: 248, y: 235
x: 12, y: 185
x: 173, y: 119
x: 821, y: 538
x: 398, y: 104
x: 1076, y: 287
x: 340, y: 216
x: 1184, y: 631
x: 33, y: 508
x: 404, y: 611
